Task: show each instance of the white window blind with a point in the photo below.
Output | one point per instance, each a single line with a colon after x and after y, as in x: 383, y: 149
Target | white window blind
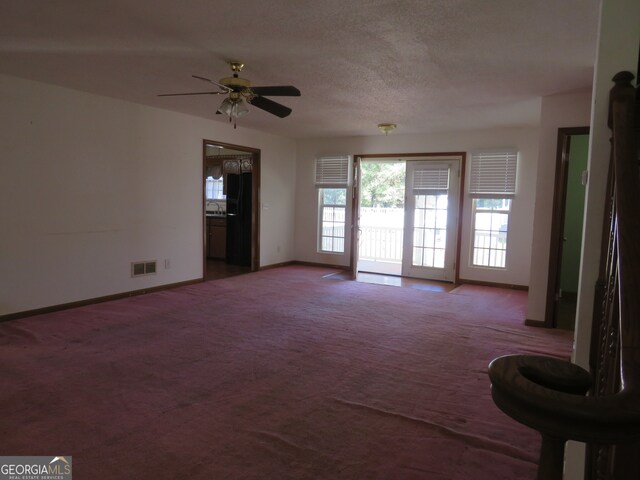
x: 332, y: 171
x: 493, y: 173
x: 430, y: 179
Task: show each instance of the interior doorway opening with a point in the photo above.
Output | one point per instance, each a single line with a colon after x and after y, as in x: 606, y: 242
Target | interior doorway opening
x: 231, y: 179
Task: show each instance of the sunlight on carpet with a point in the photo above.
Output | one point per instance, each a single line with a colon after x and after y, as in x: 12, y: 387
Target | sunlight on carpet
x: 394, y: 281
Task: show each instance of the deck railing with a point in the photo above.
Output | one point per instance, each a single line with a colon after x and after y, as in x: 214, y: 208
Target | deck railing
x: 381, y: 234
x: 381, y: 243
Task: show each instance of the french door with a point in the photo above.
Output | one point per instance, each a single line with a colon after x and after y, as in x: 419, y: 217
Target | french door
x: 431, y: 219
x: 429, y: 234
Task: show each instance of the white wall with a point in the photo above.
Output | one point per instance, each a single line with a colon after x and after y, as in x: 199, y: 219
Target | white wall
x: 558, y: 111
x: 89, y: 184
x: 520, y: 227
x: 618, y: 42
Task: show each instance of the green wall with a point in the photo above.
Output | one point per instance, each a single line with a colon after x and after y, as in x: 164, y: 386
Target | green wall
x: 574, y: 211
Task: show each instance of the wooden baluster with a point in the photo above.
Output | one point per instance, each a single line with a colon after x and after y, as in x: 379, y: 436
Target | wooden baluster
x: 548, y: 394
x: 551, y: 463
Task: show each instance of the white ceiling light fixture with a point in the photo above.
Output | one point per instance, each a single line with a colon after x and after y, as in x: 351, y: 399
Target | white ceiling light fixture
x: 387, y: 127
x: 233, y: 106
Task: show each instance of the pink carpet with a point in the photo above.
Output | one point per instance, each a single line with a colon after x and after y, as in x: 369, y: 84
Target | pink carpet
x: 278, y: 374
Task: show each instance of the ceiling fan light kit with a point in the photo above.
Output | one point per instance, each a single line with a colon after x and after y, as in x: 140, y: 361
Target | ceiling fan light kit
x: 233, y: 108
x: 387, y: 127
x: 239, y: 91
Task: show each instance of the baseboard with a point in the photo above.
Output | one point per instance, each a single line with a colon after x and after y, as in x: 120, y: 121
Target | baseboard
x: 570, y: 296
x: 322, y: 265
x: 535, y: 323
x: 91, y: 301
x: 277, y: 265
x: 494, y: 284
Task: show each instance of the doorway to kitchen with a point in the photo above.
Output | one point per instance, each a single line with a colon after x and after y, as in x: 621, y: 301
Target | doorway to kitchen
x: 406, y: 212
x: 231, y: 180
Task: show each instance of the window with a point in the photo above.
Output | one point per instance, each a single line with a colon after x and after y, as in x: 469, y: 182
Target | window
x: 332, y: 180
x: 492, y: 186
x: 333, y: 202
x: 214, y: 189
x: 491, y: 224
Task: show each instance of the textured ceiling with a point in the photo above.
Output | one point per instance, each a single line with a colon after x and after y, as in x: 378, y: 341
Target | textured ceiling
x: 427, y: 65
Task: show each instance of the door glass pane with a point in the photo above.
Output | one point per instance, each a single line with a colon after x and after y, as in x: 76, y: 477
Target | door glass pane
x: 430, y: 220
x: 417, y: 255
x: 429, y: 230
x: 429, y: 237
x: 427, y: 259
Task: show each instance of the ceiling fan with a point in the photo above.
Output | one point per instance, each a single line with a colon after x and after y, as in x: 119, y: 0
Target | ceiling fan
x: 239, y: 91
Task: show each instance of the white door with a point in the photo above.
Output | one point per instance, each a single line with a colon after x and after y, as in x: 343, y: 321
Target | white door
x: 431, y: 219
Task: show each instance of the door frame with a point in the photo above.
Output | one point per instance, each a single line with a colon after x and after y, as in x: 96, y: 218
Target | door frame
x: 355, y: 202
x: 557, y: 219
x: 255, y: 201
x: 355, y: 216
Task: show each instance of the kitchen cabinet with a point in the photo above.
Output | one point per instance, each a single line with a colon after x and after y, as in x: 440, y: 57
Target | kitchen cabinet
x: 216, y: 237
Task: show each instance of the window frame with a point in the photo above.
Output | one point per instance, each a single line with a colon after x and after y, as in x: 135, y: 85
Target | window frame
x: 333, y: 172
x: 321, y: 207
x: 493, y: 176
x: 474, y: 211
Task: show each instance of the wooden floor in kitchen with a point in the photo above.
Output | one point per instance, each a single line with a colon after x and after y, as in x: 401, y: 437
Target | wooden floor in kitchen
x: 217, y: 269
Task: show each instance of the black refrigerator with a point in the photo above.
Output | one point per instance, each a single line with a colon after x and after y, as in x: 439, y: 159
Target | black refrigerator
x: 239, y: 219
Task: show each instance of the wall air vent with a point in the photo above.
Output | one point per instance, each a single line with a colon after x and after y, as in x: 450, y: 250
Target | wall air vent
x: 143, y: 268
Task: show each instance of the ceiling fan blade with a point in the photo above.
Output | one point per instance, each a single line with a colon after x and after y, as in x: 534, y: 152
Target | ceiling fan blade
x: 191, y: 93
x: 277, y: 91
x: 224, y: 87
x: 270, y: 106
